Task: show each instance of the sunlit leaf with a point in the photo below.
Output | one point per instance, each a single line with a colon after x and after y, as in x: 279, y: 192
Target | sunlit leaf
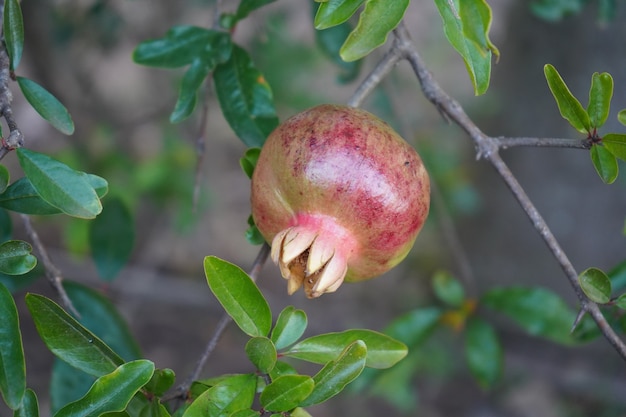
x: 600, y: 95
x: 286, y: 392
x: 262, y: 353
x: 616, y: 144
x: 239, y: 296
x: 290, y: 326
x: 47, y: 105
x: 569, y: 106
x: 16, y: 257
x: 335, y: 12
x: 605, y: 163
x: 232, y: 393
x: 12, y: 364
x: 596, y: 285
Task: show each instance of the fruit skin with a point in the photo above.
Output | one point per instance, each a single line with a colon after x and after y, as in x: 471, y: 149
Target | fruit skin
x: 340, y: 195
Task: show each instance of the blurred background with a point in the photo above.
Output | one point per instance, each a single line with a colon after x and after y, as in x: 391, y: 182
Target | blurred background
x: 81, y: 51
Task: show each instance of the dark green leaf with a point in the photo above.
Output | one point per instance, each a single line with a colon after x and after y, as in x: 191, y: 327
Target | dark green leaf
x: 477, y: 60
x: 415, y: 326
x: 245, y: 98
x: 47, y: 105
x: 554, y: 10
x: 187, y: 96
x: 600, y: 95
x: 616, y: 144
x: 62, y: 187
x: 290, y: 326
x: 67, y: 384
x: 335, y: 375
x: 6, y: 225
x: 335, y: 12
x: 112, y: 238
x: 249, y: 160
x: 161, y: 381
x: 13, y: 31
x: 286, y: 392
x: 22, y: 197
x: 151, y: 409
x: 111, y: 392
x: 182, y: 45
x: 483, y: 352
x: 16, y: 258
x: 262, y: 353
x: 4, y: 178
x: 69, y: 340
x: 12, y: 365
x: 537, y: 310
x: 448, y: 289
x: 253, y: 234
x: 330, y: 41
x: 376, y: 21
x: 596, y: 285
x: 569, y: 106
x: 239, y: 296
x: 29, y: 406
x: 382, y: 350
x: 233, y: 393
x: 248, y: 6
x: 15, y: 283
x: 605, y: 163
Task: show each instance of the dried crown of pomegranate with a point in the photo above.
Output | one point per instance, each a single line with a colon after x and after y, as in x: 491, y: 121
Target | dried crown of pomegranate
x: 339, y: 195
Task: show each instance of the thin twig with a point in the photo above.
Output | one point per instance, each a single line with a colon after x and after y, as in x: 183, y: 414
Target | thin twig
x: 222, y: 324
x: 488, y: 148
x: 506, y: 142
x: 53, y: 274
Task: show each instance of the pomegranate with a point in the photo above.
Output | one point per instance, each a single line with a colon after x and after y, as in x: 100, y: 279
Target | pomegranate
x: 340, y: 196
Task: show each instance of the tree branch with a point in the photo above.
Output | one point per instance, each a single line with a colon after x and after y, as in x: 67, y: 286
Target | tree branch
x: 488, y: 148
x: 505, y: 142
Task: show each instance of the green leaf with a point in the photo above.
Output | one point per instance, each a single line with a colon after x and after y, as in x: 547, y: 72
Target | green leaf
x: 483, y: 352
x: 569, y: 106
x: 161, y: 381
x: 112, y: 238
x: 621, y: 301
x: 248, y: 6
x: 605, y: 163
x: 239, y: 296
x: 29, y: 406
x: 16, y: 258
x: 111, y: 392
x: 233, y: 393
x: 330, y: 41
x: 246, y: 413
x: 621, y: 116
x: 335, y: 375
x: 249, y: 160
x: 537, y: 310
x: 245, y: 98
x: 375, y: 22
x: 67, y: 384
x: 448, y: 289
x: 61, y: 186
x: 600, y: 95
x: 4, y: 178
x: 47, y: 105
x: 335, y: 12
x: 476, y: 22
x: 616, y: 144
x: 282, y: 368
x: 253, y: 234
x: 555, y: 10
x: 382, y: 350
x: 182, y: 45
x: 22, y: 197
x: 69, y: 340
x: 15, y: 283
x: 13, y: 31
x: 596, y: 285
x: 286, y: 392
x: 415, y: 326
x: 262, y: 353
x: 187, y: 96
x: 12, y: 365
x: 6, y: 225
x: 290, y: 326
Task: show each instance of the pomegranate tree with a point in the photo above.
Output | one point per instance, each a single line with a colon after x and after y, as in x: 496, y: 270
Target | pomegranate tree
x: 339, y: 195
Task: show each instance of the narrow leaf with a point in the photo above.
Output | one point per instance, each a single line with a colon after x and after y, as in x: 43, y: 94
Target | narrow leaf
x: 16, y: 258
x: 382, y: 350
x: 483, y: 352
x: 187, y: 96
x: 69, y: 340
x: 376, y: 21
x: 239, y: 296
x: 47, y: 105
x: 569, y: 106
x: 262, y: 353
x: 605, y: 163
x: 537, y: 310
x: 248, y: 6
x: 232, y: 393
x: 286, y: 392
x: 335, y: 12
x: 13, y: 31
x: 290, y: 326
x: 111, y: 392
x: 12, y: 365
x: 249, y: 160
x: 616, y: 144
x: 59, y: 185
x: 245, y: 98
x: 596, y: 285
x: 29, y: 406
x: 4, y: 178
x: 112, y: 238
x: 600, y: 95
x: 335, y: 375
x: 182, y: 45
